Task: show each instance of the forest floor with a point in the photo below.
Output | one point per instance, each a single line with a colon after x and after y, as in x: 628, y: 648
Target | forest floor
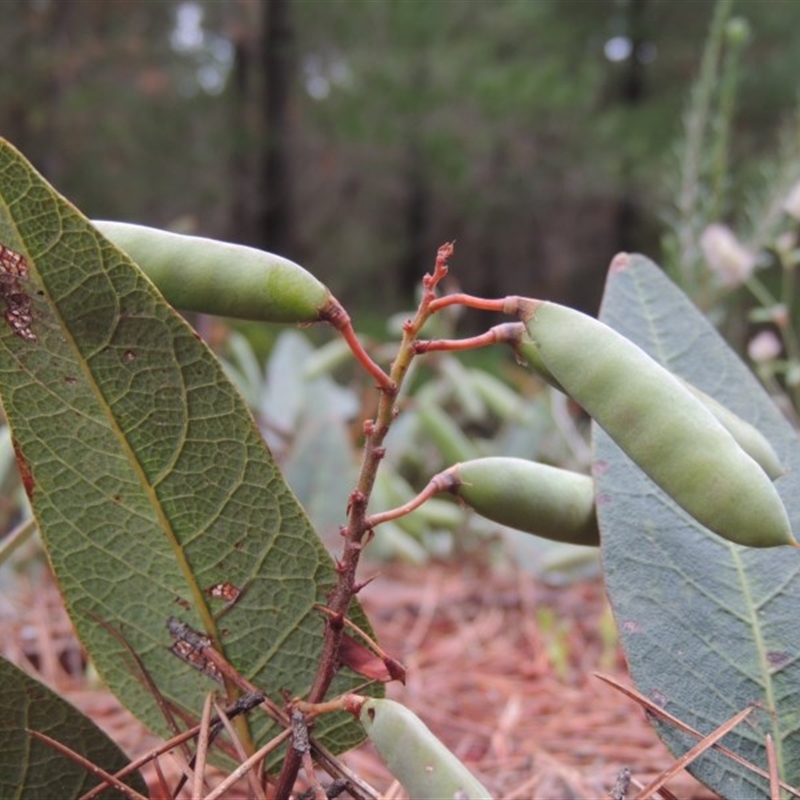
x: 501, y: 667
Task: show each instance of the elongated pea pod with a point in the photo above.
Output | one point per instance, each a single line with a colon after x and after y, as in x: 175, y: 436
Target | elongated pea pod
x: 213, y: 277
x: 196, y: 274
x: 534, y: 498
x: 661, y: 426
x: 425, y: 767
x: 748, y: 437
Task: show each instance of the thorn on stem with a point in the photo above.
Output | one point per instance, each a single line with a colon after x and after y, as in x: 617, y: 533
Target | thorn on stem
x: 357, y: 587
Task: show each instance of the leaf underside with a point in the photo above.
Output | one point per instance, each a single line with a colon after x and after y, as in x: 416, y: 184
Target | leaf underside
x: 147, y: 474
x: 708, y: 627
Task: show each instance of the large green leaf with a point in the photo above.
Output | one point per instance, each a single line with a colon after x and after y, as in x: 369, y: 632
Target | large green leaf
x: 148, y: 477
x: 32, y: 769
x: 708, y: 627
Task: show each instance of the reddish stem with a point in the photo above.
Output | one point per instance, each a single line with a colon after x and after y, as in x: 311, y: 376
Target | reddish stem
x: 375, y: 431
x: 505, y: 333
x: 335, y: 315
x: 437, y: 484
x: 513, y: 305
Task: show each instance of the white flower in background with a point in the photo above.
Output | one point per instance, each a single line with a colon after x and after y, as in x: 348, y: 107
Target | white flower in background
x: 764, y: 346
x: 726, y: 255
x: 787, y: 241
x: 791, y: 205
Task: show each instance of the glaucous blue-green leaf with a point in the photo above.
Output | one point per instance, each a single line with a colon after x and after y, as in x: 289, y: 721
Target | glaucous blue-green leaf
x: 708, y: 627
x: 149, y: 480
x: 31, y: 769
x: 319, y: 464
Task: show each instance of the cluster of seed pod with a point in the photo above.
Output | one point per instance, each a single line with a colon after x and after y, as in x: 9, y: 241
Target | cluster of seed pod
x: 685, y: 447
x: 715, y: 466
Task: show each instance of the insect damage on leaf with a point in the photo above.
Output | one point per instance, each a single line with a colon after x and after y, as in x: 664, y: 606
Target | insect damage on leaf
x: 190, y: 646
x: 18, y: 314
x: 224, y: 591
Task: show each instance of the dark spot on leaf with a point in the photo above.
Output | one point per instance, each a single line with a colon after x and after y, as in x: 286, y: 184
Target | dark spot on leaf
x: 24, y: 471
x: 70, y: 380
x: 371, y: 713
x: 224, y: 632
x: 183, y: 603
x: 224, y: 590
x: 184, y: 651
x: 191, y: 646
x: 18, y: 313
x: 117, y: 498
x: 777, y: 659
x: 129, y: 355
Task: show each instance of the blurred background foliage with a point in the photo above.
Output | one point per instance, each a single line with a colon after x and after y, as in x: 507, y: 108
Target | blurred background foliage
x: 356, y: 135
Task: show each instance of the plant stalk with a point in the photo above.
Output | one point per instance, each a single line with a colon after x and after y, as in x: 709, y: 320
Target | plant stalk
x: 357, y: 527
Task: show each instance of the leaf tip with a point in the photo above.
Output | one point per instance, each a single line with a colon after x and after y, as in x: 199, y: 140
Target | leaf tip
x: 620, y: 262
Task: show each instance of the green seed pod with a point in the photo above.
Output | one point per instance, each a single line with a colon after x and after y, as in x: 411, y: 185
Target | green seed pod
x: 425, y: 767
x: 662, y: 427
x: 528, y: 355
x: 534, y: 498
x: 748, y: 437
x: 230, y: 280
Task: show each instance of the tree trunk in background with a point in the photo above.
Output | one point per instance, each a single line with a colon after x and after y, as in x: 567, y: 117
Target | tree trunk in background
x: 274, y: 223
x: 240, y: 224
x: 16, y: 107
x: 62, y: 26
x: 631, y: 94
x: 417, y: 258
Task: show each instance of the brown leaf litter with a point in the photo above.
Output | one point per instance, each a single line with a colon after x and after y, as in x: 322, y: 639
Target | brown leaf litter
x: 500, y: 666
